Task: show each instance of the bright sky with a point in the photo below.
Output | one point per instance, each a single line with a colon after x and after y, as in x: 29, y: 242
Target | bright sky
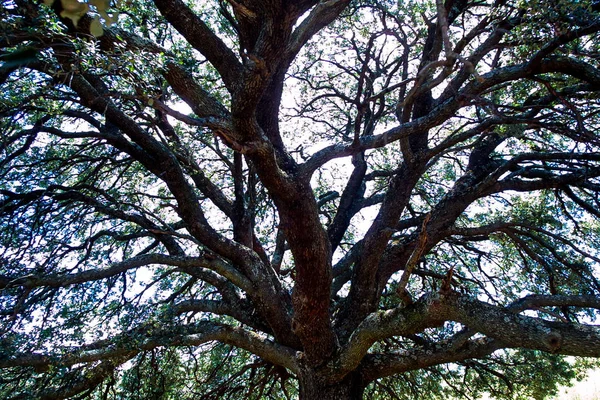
x: 588, y: 389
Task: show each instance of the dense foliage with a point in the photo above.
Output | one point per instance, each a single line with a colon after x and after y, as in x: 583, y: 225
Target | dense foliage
x: 329, y: 199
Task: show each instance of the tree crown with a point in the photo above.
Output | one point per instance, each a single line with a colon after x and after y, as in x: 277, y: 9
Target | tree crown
x: 324, y: 199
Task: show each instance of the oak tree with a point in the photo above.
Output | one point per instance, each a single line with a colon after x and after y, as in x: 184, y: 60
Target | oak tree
x: 329, y: 199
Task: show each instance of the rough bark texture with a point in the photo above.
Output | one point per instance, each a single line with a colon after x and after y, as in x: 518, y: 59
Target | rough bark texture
x: 312, y: 387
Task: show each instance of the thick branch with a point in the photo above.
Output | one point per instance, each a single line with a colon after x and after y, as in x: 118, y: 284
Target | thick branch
x: 499, y: 323
x: 60, y: 280
x: 447, y: 109
x: 131, y: 343
x: 322, y: 15
x: 203, y: 39
x: 375, y: 366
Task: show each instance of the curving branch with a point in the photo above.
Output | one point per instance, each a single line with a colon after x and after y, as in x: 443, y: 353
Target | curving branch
x: 78, y: 382
x: 375, y: 366
x: 131, y: 343
x: 576, y: 68
x: 183, y: 262
x: 502, y: 324
x: 320, y: 16
x: 203, y: 39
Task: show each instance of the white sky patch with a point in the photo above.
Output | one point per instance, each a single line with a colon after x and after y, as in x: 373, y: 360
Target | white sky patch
x: 588, y: 389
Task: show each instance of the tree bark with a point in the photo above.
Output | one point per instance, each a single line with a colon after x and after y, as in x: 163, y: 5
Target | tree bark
x: 313, y: 386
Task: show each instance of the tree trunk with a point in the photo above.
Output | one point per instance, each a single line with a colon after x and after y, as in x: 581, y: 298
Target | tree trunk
x: 313, y: 387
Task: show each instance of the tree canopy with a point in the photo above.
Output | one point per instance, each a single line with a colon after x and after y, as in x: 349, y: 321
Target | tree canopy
x: 323, y: 199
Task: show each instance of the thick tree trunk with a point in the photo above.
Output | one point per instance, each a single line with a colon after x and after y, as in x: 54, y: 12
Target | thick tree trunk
x: 313, y: 387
